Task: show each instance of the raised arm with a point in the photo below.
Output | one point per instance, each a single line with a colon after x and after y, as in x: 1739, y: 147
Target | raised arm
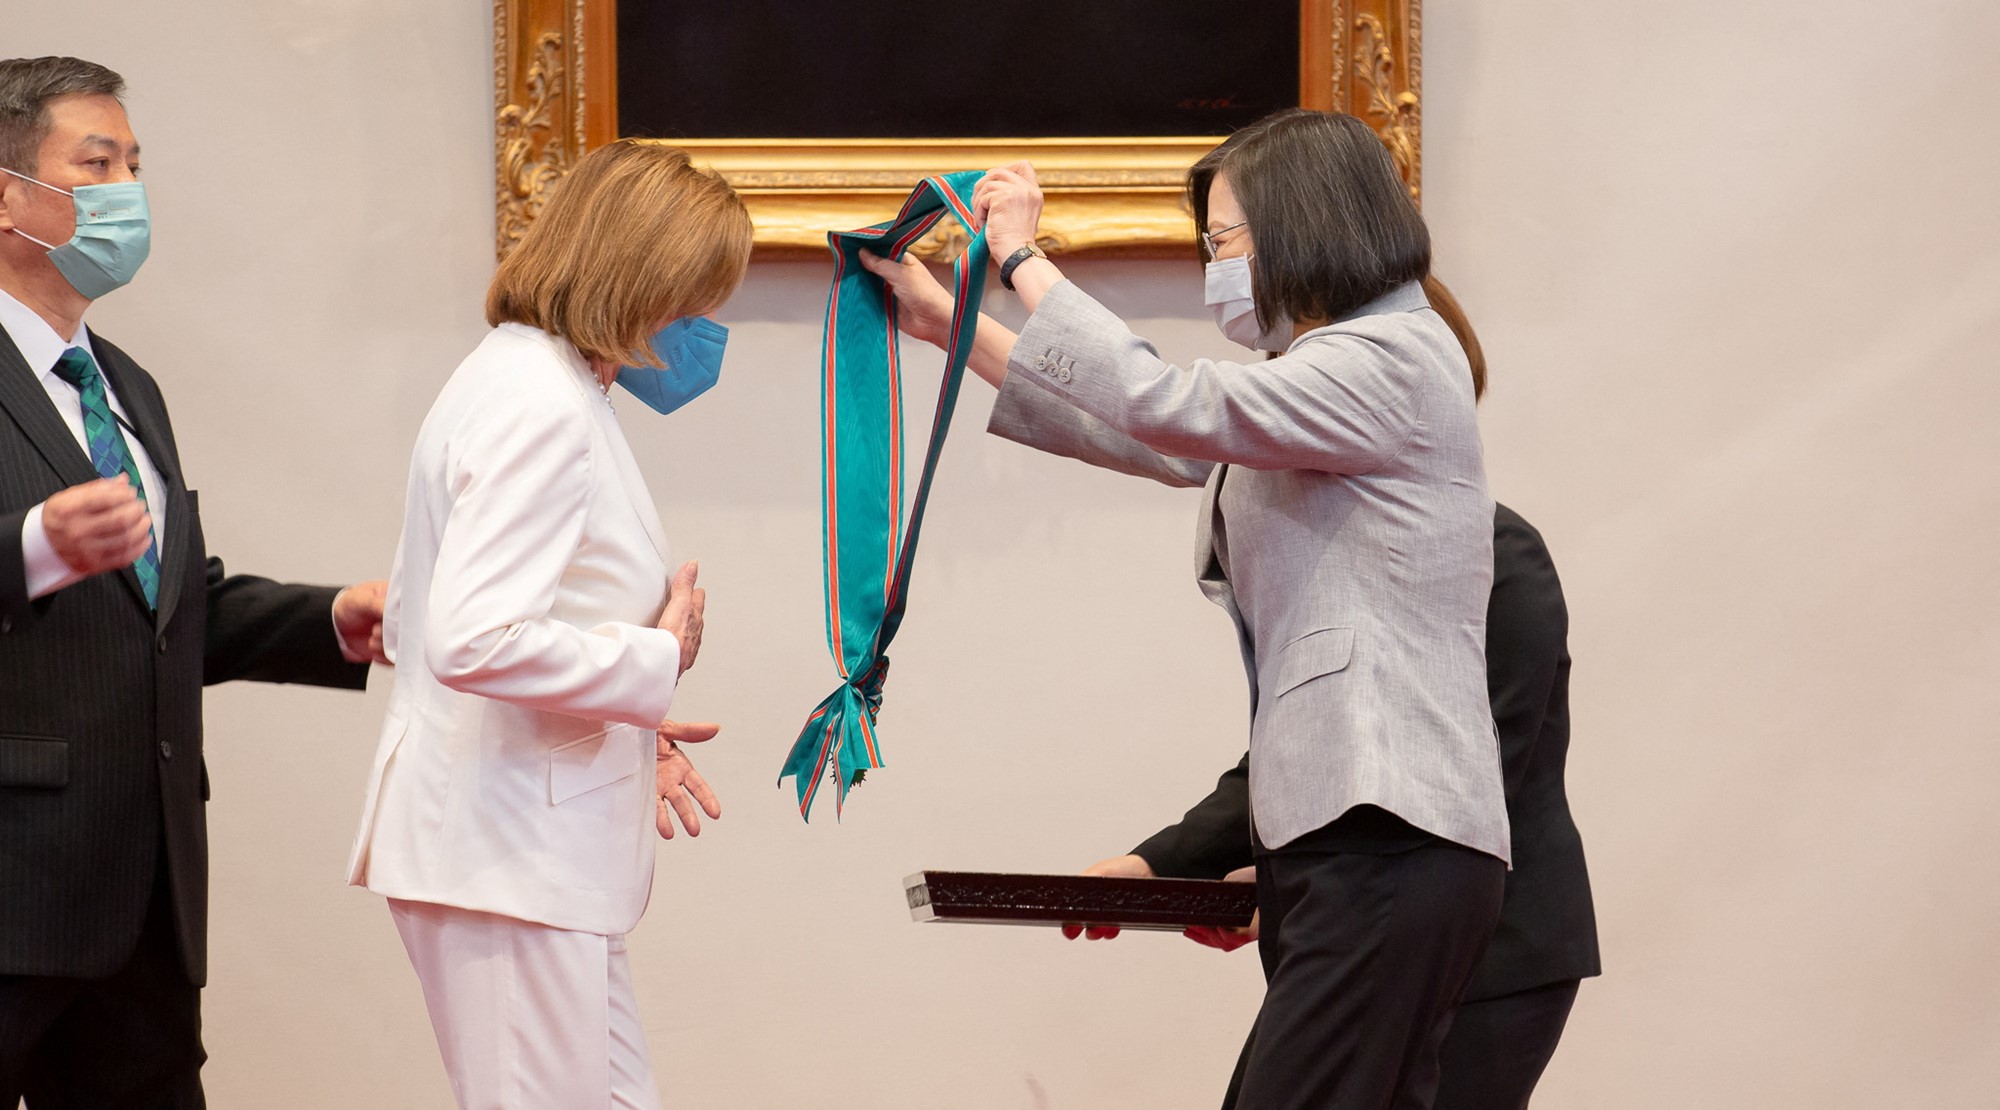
x: 1023, y: 413
x: 1342, y: 402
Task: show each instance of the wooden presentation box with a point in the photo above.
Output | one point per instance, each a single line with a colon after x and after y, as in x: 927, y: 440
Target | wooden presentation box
x: 988, y: 898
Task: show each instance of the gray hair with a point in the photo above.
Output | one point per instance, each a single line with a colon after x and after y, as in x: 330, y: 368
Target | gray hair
x: 27, y: 87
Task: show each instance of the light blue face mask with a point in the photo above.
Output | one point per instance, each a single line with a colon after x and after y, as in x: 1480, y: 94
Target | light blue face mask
x: 691, y: 347
x: 114, y: 234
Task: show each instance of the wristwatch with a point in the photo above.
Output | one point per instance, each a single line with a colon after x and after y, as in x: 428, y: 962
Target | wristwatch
x: 1014, y: 261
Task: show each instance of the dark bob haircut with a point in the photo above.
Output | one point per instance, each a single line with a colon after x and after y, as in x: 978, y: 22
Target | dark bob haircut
x: 1334, y: 226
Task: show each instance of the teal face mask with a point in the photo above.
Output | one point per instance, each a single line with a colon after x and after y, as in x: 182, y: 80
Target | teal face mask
x: 114, y: 233
x: 691, y: 347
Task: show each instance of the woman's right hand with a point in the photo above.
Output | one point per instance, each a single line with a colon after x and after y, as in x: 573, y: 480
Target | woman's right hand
x: 683, y: 615
x: 923, y: 307
x: 680, y: 786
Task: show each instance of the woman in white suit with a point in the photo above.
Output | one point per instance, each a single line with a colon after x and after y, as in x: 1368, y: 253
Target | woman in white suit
x: 538, y: 641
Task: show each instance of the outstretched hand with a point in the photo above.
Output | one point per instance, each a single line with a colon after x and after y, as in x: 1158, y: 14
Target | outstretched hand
x: 923, y: 305
x: 357, y: 616
x: 680, y: 787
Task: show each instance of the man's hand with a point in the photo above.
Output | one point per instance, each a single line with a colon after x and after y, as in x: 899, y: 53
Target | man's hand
x: 1124, y: 867
x: 357, y: 617
x: 1228, y: 940
x: 680, y: 786
x: 98, y: 526
x: 683, y: 614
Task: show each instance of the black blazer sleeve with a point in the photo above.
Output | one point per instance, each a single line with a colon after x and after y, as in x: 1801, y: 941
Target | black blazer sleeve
x: 273, y: 632
x: 14, y: 605
x: 1527, y: 628
x: 1213, y: 839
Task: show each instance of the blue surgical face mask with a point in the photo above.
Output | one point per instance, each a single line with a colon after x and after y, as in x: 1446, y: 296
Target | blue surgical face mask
x: 691, y: 347
x: 114, y: 234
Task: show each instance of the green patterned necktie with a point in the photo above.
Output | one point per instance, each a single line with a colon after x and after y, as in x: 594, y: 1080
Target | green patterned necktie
x: 109, y: 452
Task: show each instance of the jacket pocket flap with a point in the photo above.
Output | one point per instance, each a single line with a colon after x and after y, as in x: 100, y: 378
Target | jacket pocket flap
x: 581, y: 766
x: 41, y: 761
x: 1311, y: 656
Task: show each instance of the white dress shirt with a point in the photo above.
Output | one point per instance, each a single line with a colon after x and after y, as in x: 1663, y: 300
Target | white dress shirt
x: 41, y: 347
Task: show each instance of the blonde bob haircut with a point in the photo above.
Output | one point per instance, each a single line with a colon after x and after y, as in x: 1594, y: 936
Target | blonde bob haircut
x: 633, y: 237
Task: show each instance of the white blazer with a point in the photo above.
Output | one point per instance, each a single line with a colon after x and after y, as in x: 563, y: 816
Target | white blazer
x: 512, y: 775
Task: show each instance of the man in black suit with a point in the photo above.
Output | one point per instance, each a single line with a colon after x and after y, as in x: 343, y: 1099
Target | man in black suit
x: 112, y: 618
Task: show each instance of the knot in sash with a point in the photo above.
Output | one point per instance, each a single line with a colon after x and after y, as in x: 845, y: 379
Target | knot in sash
x: 870, y: 542
x: 869, y: 685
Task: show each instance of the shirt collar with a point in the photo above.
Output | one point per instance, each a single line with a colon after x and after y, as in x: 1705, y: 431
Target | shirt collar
x: 38, y: 343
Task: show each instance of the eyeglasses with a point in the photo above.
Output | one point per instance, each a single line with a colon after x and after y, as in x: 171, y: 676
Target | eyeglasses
x: 1208, y: 237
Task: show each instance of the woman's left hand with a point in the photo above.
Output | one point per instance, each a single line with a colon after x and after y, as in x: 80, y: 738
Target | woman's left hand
x: 1007, y: 203
x: 680, y: 787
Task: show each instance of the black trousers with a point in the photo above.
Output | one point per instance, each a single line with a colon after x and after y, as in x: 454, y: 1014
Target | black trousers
x: 128, y: 1042
x: 1369, y: 931
x: 1499, y: 1047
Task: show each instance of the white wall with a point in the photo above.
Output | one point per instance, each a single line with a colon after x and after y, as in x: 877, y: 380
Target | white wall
x: 1736, y: 268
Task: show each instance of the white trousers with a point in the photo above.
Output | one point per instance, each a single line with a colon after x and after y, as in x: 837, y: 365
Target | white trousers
x: 528, y: 1017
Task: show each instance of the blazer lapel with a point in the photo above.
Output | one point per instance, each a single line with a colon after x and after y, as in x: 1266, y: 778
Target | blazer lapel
x: 147, y: 418
x: 635, y: 485
x: 1207, y: 565
x: 612, y: 436
x: 24, y: 399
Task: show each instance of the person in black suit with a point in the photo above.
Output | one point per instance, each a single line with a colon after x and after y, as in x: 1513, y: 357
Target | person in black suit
x: 1512, y: 1015
x: 112, y: 617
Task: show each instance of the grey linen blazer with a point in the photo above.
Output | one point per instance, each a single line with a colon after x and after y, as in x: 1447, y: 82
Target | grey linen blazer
x: 1345, y: 528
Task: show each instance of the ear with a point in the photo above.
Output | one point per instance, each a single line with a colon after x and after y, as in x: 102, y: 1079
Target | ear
x: 8, y: 199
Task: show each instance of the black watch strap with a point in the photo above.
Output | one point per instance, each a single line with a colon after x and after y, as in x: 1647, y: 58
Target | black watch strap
x: 1014, y: 261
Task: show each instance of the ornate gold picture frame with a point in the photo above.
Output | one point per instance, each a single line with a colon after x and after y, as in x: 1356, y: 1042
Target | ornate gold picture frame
x: 555, y: 95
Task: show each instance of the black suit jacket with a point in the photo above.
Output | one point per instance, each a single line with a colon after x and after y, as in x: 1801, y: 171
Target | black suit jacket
x: 1548, y: 929
x: 100, y: 699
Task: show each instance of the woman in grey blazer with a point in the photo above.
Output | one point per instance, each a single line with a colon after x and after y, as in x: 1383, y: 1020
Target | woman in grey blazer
x: 1347, y: 530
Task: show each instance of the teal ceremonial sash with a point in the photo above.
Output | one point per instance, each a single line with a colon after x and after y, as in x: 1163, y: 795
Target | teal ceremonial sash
x: 869, y: 543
